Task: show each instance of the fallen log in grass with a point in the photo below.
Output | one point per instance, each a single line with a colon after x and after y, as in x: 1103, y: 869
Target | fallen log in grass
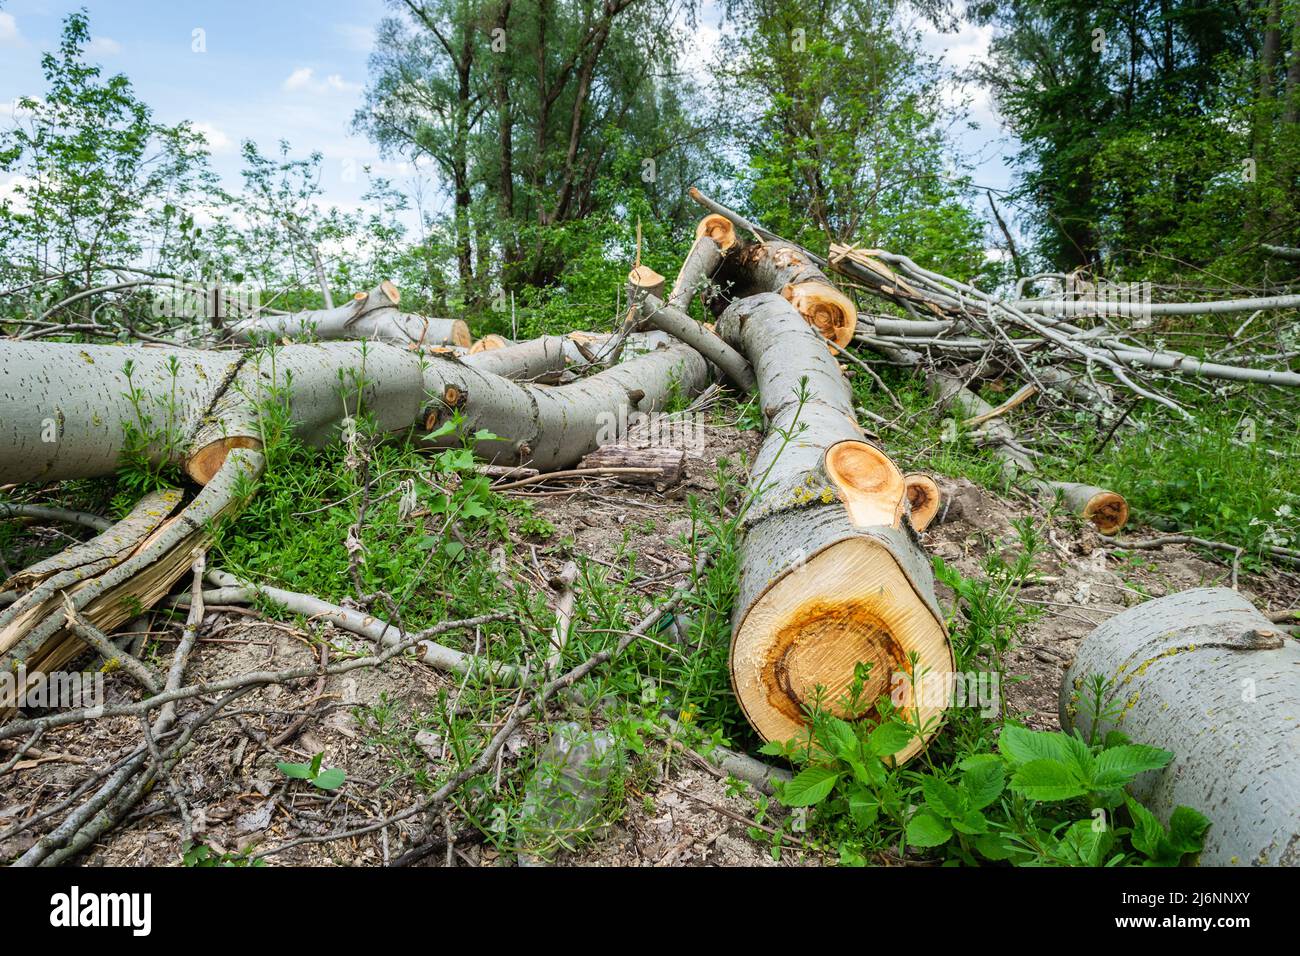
x: 1205, y: 675
x: 832, y: 574
x: 370, y: 316
x: 70, y: 411
x: 1106, y: 510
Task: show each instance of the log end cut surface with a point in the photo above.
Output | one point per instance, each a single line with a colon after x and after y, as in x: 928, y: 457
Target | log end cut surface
x: 849, y: 604
x: 719, y: 229
x: 207, y: 461
x: 1107, y: 511
x: 826, y: 309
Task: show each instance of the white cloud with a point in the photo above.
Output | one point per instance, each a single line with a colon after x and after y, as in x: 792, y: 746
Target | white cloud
x: 103, y: 46
x: 9, y: 35
x: 303, y: 80
x: 9, y: 192
x: 357, y: 37
x: 218, y: 141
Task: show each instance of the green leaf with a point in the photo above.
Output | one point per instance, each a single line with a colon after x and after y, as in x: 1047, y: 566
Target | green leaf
x: 453, y: 549
x: 926, y: 829
x: 983, y: 782
x: 1046, y: 781
x: 295, y: 771
x: 1147, y: 831
x: 864, y: 808
x: 1088, y: 842
x: 1021, y: 746
x: 1187, y: 830
x: 888, y: 739
x: 315, y: 763
x: 446, y: 428
x: 811, y: 786
x: 330, y: 779
x: 843, y: 742
x: 1119, y: 765
x: 942, y: 798
x: 992, y: 846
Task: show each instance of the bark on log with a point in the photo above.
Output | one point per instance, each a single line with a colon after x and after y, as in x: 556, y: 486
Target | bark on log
x: 671, y: 463
x: 1205, y: 675
x: 832, y: 574
x: 667, y: 318
x: 371, y: 316
x: 203, y: 404
x: 784, y: 268
x: 714, y: 235
x: 1106, y: 510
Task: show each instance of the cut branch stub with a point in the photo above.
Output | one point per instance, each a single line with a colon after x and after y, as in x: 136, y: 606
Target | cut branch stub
x: 833, y: 580
x: 719, y: 229
x: 922, y: 500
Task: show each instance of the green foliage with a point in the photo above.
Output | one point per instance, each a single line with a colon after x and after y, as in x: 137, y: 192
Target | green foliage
x: 319, y: 777
x: 838, y: 111
x: 1024, y: 797
x: 1155, y: 135
x: 202, y: 856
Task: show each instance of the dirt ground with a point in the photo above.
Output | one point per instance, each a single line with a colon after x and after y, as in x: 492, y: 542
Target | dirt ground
x: 682, y: 817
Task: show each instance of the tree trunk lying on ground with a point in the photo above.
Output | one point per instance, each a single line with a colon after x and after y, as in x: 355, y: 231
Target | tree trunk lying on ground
x: 832, y: 574
x: 370, y: 316
x: 785, y: 269
x: 1106, y: 510
x: 1204, y: 674
x: 72, y: 411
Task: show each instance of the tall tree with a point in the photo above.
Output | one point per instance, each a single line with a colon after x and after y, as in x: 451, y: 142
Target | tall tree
x: 838, y: 113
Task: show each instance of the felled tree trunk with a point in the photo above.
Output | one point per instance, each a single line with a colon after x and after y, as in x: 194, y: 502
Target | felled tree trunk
x: 784, y: 268
x: 1205, y: 675
x: 714, y: 235
x: 832, y: 574
x: 70, y: 411
x: 370, y: 316
x: 1106, y: 510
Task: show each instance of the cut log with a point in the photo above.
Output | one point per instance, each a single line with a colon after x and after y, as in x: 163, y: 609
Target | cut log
x: 370, y: 316
x: 488, y: 343
x: 643, y: 281
x: 1106, y: 510
x: 670, y: 462
x: 922, y: 499
x: 832, y: 574
x: 202, y: 411
x: 1205, y: 675
x: 714, y: 235
x: 784, y: 268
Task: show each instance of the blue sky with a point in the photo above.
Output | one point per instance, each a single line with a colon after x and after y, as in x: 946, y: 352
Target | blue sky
x: 296, y: 71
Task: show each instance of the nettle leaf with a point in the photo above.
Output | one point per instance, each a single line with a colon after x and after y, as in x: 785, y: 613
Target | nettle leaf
x: 888, y: 739
x: 927, y: 829
x: 983, y: 782
x: 453, y: 549
x: 1119, y: 765
x: 1046, y: 781
x: 1021, y: 746
x: 1187, y: 830
x: 870, y: 771
x: 329, y: 779
x: 971, y: 823
x: 484, y: 434
x: 843, y: 742
x: 992, y: 846
x: 1147, y: 830
x: 1089, y: 843
x: 473, y: 509
x: 446, y: 428
x: 864, y: 808
x: 1079, y: 757
x: 811, y: 786
x: 295, y: 771
x: 943, y: 798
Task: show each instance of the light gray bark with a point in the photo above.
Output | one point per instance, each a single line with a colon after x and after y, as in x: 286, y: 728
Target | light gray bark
x: 80, y: 396
x: 372, y: 316
x: 1205, y: 675
x: 667, y: 318
x: 701, y: 263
